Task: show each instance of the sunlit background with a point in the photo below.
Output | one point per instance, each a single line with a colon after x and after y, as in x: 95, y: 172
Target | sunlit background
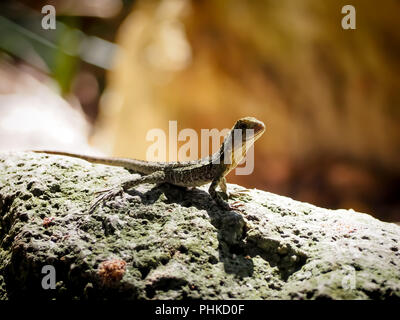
x: 112, y: 70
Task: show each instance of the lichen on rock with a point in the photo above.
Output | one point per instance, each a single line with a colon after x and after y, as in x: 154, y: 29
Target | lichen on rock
x: 167, y: 242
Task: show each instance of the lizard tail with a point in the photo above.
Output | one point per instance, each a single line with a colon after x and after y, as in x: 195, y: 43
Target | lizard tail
x: 141, y: 166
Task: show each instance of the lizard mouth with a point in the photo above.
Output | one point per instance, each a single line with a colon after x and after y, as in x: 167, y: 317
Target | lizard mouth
x: 258, y: 127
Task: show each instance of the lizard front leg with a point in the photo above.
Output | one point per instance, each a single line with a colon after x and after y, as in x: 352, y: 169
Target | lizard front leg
x: 223, y: 187
x: 214, y: 194
x: 155, y: 177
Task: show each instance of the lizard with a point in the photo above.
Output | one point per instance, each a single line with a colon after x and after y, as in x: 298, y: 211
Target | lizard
x: 211, y: 169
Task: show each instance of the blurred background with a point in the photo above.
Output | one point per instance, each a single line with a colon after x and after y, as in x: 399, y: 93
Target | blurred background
x: 114, y: 69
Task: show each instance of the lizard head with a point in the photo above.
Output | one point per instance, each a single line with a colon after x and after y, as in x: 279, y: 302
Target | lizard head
x: 250, y: 128
x: 242, y: 136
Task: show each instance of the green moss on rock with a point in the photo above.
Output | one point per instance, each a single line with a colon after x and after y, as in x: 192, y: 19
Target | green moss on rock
x: 177, y: 243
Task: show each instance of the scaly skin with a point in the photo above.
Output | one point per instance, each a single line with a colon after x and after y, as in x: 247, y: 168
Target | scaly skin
x: 194, y: 173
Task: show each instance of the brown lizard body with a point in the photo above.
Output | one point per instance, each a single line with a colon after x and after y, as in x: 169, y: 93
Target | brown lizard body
x: 194, y: 173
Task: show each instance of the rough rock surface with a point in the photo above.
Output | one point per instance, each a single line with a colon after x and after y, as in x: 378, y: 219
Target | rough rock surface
x: 165, y: 242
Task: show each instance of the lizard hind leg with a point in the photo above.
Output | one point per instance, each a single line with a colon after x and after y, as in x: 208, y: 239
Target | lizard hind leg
x: 104, y: 195
x: 111, y: 193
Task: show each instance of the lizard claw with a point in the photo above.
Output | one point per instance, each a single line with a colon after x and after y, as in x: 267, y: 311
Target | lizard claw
x: 105, y: 195
x: 224, y: 205
x: 237, y: 205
